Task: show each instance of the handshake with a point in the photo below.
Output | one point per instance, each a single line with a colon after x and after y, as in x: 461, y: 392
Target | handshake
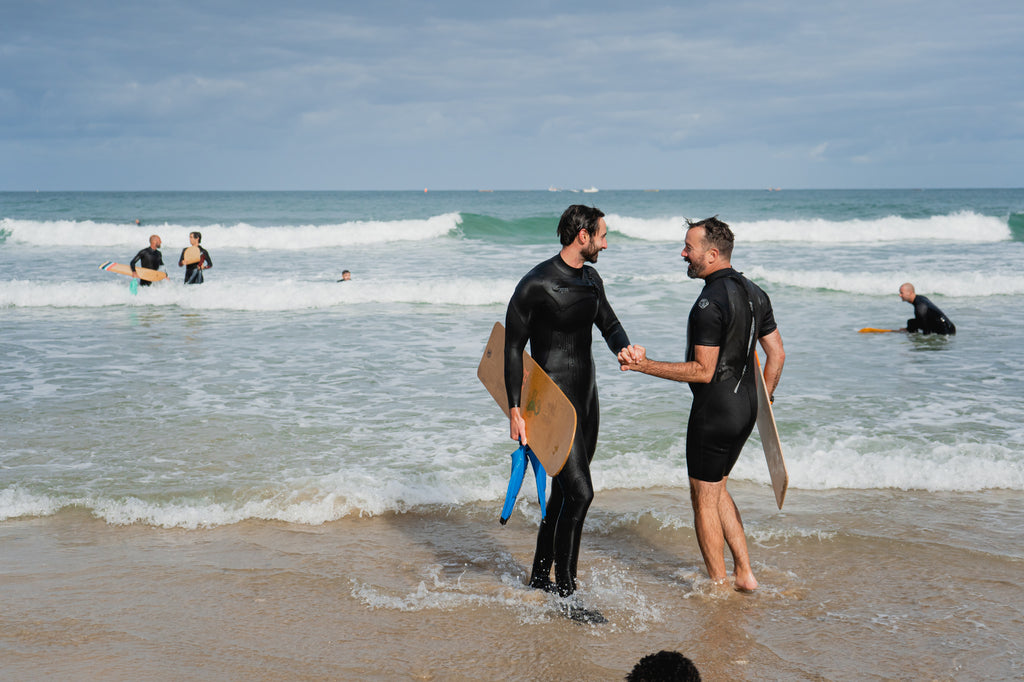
x: 632, y: 358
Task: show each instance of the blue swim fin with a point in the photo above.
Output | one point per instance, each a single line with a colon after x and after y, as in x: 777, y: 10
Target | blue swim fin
x: 515, y: 481
x: 542, y: 481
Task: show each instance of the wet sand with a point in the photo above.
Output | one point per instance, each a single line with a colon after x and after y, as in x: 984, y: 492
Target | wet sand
x: 854, y: 585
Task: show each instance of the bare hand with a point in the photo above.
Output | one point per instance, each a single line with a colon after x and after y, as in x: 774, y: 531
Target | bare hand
x: 631, y: 357
x: 517, y: 425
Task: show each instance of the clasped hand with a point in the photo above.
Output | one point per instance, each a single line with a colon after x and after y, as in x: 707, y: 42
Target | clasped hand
x: 632, y: 357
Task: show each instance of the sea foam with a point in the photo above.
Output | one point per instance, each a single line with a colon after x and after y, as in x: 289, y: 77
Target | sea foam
x: 64, y: 233
x: 963, y: 226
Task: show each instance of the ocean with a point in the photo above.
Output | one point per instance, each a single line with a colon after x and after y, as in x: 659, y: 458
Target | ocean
x: 276, y: 475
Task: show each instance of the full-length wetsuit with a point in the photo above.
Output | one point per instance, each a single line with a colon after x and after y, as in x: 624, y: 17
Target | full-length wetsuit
x: 194, y: 271
x: 555, y: 307
x: 928, y: 318
x: 148, y: 258
x: 724, y: 410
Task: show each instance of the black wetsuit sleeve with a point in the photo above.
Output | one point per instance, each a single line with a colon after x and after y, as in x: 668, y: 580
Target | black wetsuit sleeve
x: 611, y: 329
x: 207, y: 261
x: 920, y: 320
x: 767, y: 322
x: 181, y: 259
x: 517, y: 333
x: 137, y: 258
x: 707, y: 323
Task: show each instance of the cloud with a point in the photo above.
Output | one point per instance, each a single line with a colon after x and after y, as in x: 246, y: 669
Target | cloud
x: 507, y: 92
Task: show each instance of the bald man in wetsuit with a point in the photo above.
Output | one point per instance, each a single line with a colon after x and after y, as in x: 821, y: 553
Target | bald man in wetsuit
x: 927, y: 316
x: 728, y: 316
x: 555, y: 307
x: 149, y: 257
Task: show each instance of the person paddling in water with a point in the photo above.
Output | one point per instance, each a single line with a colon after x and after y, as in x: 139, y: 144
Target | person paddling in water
x: 927, y: 319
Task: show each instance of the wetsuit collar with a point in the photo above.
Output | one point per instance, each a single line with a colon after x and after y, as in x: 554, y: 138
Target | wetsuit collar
x: 718, y: 274
x: 561, y: 261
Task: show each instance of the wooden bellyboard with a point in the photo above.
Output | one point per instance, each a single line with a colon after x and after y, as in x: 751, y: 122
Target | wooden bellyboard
x: 191, y: 255
x: 144, y: 273
x: 550, y: 416
x: 770, y: 437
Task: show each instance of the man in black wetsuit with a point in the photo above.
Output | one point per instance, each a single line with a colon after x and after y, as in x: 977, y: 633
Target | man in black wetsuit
x: 729, y: 315
x: 927, y: 316
x: 555, y: 307
x: 149, y: 257
x: 194, y: 271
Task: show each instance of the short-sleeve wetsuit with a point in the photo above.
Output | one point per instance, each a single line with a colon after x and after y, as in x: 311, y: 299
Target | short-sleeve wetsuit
x: 555, y: 308
x: 724, y: 411
x: 148, y: 258
x: 928, y: 318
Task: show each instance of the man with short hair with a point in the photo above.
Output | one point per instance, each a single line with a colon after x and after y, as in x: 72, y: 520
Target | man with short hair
x: 927, y: 316
x: 555, y: 307
x: 194, y: 268
x: 728, y: 316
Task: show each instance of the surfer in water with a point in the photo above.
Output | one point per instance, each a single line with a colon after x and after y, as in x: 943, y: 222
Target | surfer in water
x: 149, y: 257
x: 927, y: 316
x: 555, y: 308
x: 730, y: 314
x: 194, y: 270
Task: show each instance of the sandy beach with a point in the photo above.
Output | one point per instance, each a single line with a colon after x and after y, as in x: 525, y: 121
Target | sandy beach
x: 847, y: 593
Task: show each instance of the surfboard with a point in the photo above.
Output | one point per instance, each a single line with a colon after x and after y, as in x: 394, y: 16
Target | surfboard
x: 770, y: 437
x: 872, y: 330
x: 191, y: 255
x: 550, y: 416
x: 144, y: 273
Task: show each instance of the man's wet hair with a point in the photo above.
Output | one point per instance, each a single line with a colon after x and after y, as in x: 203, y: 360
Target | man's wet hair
x: 575, y: 218
x: 716, y: 234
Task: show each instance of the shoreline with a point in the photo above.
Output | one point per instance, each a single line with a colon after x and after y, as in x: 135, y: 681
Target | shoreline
x: 439, y: 594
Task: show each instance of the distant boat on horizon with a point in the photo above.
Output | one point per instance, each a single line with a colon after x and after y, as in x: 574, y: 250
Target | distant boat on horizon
x: 590, y: 190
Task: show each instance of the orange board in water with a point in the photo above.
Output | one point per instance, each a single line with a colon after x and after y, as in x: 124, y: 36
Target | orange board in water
x: 549, y: 414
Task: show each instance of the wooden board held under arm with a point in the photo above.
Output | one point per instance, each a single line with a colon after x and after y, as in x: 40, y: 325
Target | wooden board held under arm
x: 191, y: 255
x: 549, y: 414
x: 770, y: 437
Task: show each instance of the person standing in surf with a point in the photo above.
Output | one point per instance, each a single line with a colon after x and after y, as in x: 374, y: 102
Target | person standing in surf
x: 194, y: 268
x: 555, y: 308
x: 730, y: 314
x: 149, y: 257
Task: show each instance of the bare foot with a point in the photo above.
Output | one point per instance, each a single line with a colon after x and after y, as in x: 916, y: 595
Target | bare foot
x: 745, y: 582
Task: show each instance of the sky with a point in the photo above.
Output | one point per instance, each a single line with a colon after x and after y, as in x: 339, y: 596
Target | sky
x: 413, y: 94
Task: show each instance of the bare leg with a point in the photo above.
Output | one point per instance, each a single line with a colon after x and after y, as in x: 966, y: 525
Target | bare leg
x: 717, y: 523
x: 732, y: 527
x: 707, y: 524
